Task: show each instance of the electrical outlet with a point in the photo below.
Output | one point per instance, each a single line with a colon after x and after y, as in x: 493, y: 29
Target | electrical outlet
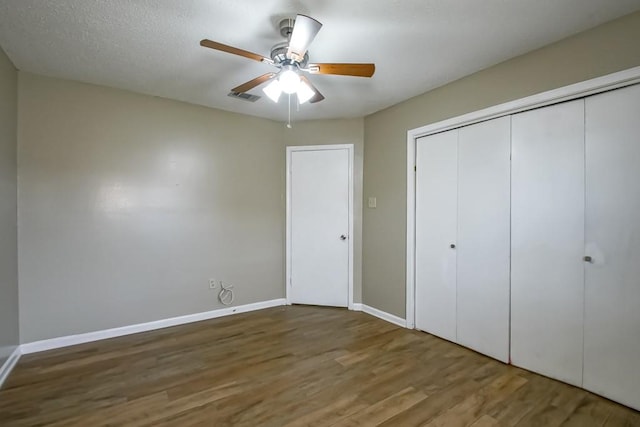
x: 212, y: 284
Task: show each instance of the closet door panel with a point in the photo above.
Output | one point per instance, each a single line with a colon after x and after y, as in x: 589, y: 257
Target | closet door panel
x: 483, y: 246
x: 547, y: 229
x: 436, y: 206
x: 612, y: 300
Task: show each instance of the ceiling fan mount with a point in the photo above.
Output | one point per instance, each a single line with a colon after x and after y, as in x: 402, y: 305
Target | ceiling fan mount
x: 286, y: 27
x: 292, y: 58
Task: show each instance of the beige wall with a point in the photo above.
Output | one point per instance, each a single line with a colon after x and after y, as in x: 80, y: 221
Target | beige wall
x: 609, y: 48
x: 348, y: 131
x: 129, y: 204
x: 8, y: 221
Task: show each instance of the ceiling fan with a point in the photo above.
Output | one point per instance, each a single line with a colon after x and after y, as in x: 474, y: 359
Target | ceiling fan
x: 292, y: 58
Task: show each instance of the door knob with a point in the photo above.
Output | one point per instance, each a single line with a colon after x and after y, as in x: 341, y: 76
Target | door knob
x: 452, y: 246
x: 587, y: 258
x: 343, y: 237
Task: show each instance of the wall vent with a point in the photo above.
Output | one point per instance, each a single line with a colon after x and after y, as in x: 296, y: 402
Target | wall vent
x: 244, y: 96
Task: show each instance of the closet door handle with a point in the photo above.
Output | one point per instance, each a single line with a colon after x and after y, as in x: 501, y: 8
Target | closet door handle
x: 452, y: 246
x: 587, y: 258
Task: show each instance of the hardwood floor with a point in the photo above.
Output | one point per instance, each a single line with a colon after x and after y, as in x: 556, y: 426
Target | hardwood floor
x: 289, y: 366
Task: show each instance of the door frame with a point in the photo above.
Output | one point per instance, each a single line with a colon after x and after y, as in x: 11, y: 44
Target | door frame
x: 290, y: 150
x: 555, y: 96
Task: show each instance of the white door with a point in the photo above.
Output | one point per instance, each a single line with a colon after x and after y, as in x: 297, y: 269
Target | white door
x: 484, y: 244
x: 318, y: 217
x: 547, y: 230
x: 436, y: 206
x: 612, y: 299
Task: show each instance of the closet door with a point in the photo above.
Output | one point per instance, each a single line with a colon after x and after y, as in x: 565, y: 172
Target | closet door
x: 484, y: 237
x: 612, y: 299
x: 436, y: 200
x: 547, y: 229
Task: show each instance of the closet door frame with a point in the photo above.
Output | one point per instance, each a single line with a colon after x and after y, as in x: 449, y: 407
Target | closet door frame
x: 566, y: 93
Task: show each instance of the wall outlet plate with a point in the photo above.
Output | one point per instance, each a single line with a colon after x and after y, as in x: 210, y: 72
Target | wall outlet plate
x: 212, y: 284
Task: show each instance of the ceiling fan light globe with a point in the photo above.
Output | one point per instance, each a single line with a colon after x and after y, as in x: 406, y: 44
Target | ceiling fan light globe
x: 273, y: 90
x: 289, y: 81
x: 305, y: 92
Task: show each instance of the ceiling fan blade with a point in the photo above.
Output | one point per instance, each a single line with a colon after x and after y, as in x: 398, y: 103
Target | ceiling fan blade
x: 245, y: 87
x: 234, y: 50
x: 357, y: 70
x: 304, y: 31
x: 318, y: 96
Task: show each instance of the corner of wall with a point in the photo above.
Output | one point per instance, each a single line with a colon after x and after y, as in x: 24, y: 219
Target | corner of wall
x: 9, y: 287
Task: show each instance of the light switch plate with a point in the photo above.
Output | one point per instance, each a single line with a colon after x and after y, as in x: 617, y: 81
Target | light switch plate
x: 372, y: 202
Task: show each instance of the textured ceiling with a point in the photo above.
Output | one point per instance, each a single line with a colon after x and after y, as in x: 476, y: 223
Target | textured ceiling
x: 152, y: 46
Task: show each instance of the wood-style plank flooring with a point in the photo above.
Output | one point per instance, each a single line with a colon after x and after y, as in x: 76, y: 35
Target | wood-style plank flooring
x: 289, y: 366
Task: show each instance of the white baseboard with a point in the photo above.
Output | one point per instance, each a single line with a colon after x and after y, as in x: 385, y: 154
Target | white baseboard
x: 384, y: 316
x: 356, y: 306
x: 50, y: 344
x: 9, y: 364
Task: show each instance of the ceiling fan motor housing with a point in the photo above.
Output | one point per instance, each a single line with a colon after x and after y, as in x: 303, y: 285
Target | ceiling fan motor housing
x: 279, y: 55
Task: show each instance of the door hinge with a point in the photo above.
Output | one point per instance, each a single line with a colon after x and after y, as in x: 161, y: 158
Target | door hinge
x: 415, y: 168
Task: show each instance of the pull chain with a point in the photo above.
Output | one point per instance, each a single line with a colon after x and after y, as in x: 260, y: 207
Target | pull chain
x: 289, y: 122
